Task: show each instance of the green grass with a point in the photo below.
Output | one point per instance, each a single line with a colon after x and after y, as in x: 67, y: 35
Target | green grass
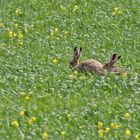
x: 68, y: 108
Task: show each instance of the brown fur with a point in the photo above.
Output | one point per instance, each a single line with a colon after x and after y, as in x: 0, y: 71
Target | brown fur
x: 94, y: 65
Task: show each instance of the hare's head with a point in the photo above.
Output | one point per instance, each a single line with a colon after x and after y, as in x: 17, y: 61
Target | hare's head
x: 109, y: 65
x: 76, y: 56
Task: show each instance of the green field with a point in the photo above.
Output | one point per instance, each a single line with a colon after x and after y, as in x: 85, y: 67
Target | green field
x: 41, y: 97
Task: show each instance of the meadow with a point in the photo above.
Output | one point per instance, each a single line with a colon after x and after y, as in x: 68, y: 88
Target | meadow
x: 41, y: 98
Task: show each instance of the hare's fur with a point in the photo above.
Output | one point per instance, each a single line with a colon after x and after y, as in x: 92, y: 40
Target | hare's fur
x: 94, y: 65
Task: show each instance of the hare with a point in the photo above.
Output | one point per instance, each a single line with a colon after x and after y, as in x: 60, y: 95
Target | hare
x: 94, y: 65
x: 86, y: 65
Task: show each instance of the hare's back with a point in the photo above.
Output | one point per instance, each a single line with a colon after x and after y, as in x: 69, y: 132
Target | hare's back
x: 91, y: 65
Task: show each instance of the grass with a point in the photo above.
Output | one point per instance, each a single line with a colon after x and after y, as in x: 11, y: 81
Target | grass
x: 40, y: 96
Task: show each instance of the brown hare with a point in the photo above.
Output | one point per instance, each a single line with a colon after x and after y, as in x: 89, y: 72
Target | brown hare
x: 94, y: 65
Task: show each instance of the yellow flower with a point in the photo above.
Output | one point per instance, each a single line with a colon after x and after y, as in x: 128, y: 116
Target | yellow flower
x: 112, y: 125
x: 45, y: 136
x: 16, y: 25
x: 10, y: 33
x: 56, y: 29
x: 127, y: 132
x: 66, y: 32
x: 101, y: 133
x: 117, y: 126
x: 1, y: 24
x: 54, y: 61
x: 137, y: 136
x: 32, y: 120
x: 80, y: 126
x: 100, y: 124
x: 63, y: 133
x: 127, y: 115
x: 116, y: 9
x: 20, y: 43
x: 20, y: 35
x: 69, y: 116
x: 22, y: 113
x: 27, y: 98
x: 107, y: 129
x: 15, y: 123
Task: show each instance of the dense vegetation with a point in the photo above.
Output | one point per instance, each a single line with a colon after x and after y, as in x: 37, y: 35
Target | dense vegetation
x: 41, y: 97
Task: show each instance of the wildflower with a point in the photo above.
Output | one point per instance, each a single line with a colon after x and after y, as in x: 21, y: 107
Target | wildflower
x: 63, y: 133
x: 20, y: 43
x: 22, y: 113
x: 127, y: 132
x: 32, y: 120
x: 27, y: 98
x: 100, y: 124
x: 117, y: 126
x: 137, y: 136
x: 116, y: 9
x: 127, y: 115
x: 107, y: 129
x: 1, y: 24
x: 101, y: 133
x: 56, y: 29
x: 112, y: 125
x: 15, y: 124
x: 20, y: 35
x: 75, y: 8
x: 10, y: 33
x: 54, y: 61
x: 45, y: 136
x: 16, y: 25
x: 80, y: 126
x: 66, y: 32
x: 69, y: 116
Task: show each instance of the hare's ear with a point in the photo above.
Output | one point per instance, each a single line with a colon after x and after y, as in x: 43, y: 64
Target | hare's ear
x: 119, y: 57
x: 75, y: 49
x: 113, y: 57
x: 80, y: 51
